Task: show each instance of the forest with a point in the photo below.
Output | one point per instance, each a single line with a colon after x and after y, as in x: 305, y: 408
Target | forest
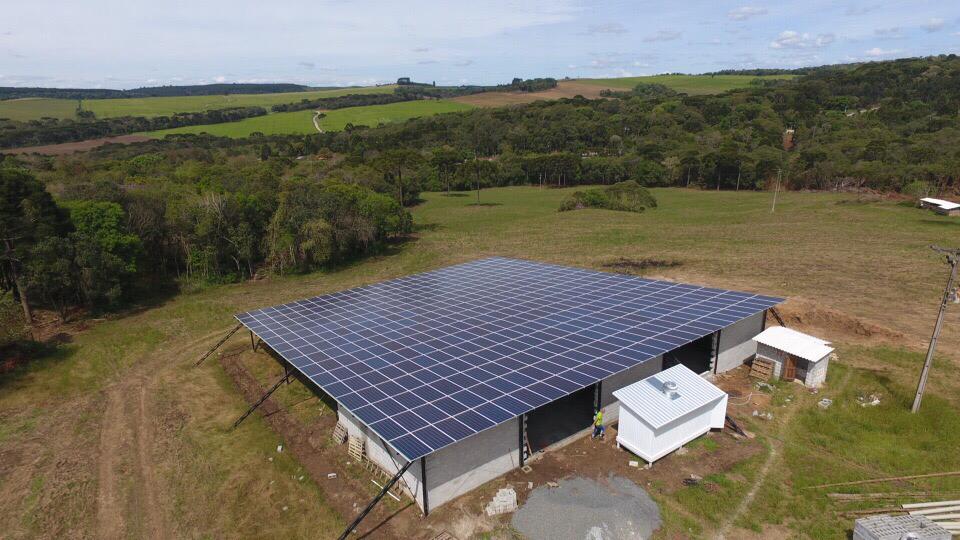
x: 14, y: 134
x: 113, y: 226
x: 15, y: 92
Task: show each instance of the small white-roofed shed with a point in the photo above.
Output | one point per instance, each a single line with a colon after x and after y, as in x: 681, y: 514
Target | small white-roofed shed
x: 796, y: 356
x: 940, y: 206
x: 663, y: 412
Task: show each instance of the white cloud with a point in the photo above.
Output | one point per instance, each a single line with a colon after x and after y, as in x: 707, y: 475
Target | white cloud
x: 745, y: 12
x: 220, y: 79
x: 663, y: 35
x: 892, y: 32
x: 789, y: 39
x: 607, y: 28
x: 877, y: 52
x: 935, y: 24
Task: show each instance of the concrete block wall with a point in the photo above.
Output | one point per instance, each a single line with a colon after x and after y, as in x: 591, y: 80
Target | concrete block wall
x: 381, y: 454
x: 472, y: 462
x: 611, y: 407
x: 736, y: 342
x: 776, y: 355
x: 817, y: 373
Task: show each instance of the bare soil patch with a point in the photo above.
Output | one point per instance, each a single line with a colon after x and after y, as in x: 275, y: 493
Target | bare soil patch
x: 564, y: 89
x: 79, y: 146
x: 816, y: 317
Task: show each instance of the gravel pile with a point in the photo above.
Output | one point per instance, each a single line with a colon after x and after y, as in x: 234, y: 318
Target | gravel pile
x: 585, y: 509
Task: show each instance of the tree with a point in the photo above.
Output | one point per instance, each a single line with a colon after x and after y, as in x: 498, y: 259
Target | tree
x: 395, y: 162
x: 106, y: 254
x: 52, y: 273
x: 28, y: 215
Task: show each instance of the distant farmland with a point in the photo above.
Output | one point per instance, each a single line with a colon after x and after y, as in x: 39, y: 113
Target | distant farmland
x: 301, y: 121
x: 34, y: 108
x: 688, y: 84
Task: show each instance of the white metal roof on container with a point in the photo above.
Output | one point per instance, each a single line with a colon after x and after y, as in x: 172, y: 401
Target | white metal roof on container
x: 657, y: 406
x: 946, y: 205
x: 796, y: 343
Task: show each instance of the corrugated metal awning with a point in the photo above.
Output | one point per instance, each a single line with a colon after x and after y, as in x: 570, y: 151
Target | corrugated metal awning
x: 654, y: 402
x: 946, y: 205
x: 796, y: 343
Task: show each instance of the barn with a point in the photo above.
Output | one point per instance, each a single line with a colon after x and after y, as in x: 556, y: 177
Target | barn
x: 456, y: 376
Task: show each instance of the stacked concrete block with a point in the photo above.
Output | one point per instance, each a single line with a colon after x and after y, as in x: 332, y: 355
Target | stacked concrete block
x: 884, y: 527
x: 503, y: 502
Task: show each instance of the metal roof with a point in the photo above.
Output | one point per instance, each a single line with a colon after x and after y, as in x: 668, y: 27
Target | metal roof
x: 946, y: 205
x: 796, y: 343
x: 657, y: 405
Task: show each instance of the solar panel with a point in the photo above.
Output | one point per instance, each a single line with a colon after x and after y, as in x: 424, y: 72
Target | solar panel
x: 430, y: 359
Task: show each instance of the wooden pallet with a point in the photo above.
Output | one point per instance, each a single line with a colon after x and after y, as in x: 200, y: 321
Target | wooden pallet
x: 355, y: 448
x: 339, y: 434
x: 762, y: 369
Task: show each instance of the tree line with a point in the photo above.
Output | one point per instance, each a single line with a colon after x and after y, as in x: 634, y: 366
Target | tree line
x: 121, y: 229
x: 421, y: 91
x: 17, y: 92
x: 106, y: 227
x: 342, y: 102
x: 15, y: 134
x: 886, y: 125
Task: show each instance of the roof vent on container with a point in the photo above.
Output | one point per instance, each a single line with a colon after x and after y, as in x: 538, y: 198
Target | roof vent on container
x: 670, y: 389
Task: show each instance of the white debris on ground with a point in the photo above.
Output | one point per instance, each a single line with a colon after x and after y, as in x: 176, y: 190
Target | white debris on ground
x: 505, y: 501
x: 871, y: 400
x: 764, y: 415
x: 825, y: 403
x: 633, y: 463
x: 279, y: 448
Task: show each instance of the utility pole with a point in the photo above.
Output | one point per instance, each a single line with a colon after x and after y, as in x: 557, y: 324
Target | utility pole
x: 949, y: 293
x: 775, y: 193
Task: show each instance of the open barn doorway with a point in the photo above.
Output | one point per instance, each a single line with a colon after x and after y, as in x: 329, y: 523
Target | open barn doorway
x: 557, y: 420
x: 696, y: 355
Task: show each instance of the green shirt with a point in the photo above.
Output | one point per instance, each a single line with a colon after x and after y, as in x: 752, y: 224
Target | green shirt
x: 598, y: 419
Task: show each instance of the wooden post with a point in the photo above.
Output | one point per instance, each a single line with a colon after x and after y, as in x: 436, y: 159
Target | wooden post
x: 953, y: 257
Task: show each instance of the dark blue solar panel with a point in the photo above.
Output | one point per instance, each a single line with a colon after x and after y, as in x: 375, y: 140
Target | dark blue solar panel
x: 430, y: 359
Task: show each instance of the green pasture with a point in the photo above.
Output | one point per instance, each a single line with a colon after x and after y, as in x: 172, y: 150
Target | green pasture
x: 688, y: 84
x: 335, y: 120
x: 34, y: 108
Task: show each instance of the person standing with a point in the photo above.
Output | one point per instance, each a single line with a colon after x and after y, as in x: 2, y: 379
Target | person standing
x: 598, y: 429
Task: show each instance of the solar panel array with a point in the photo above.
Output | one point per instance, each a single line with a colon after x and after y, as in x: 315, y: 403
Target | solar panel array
x: 430, y: 359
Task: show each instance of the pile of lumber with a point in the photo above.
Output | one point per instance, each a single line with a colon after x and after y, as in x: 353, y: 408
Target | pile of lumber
x: 761, y: 368
x: 944, y: 513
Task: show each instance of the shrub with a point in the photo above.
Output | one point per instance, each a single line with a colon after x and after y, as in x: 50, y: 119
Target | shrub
x: 627, y: 196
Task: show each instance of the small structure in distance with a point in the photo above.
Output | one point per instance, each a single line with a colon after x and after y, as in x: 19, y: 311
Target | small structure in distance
x: 940, y: 206
x: 663, y: 412
x: 795, y: 355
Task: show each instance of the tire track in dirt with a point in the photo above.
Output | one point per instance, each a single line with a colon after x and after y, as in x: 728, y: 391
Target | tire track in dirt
x: 110, y: 512
x: 128, y: 490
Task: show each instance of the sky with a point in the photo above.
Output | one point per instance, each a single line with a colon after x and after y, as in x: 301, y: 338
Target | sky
x: 132, y: 43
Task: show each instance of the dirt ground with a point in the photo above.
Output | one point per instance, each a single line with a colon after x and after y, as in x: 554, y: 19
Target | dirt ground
x: 564, y: 89
x: 79, y: 146
x: 464, y: 517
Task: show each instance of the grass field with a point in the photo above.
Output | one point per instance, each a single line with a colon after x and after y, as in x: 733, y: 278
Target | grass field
x: 335, y: 120
x: 118, y: 422
x: 33, y: 108
x: 688, y: 84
